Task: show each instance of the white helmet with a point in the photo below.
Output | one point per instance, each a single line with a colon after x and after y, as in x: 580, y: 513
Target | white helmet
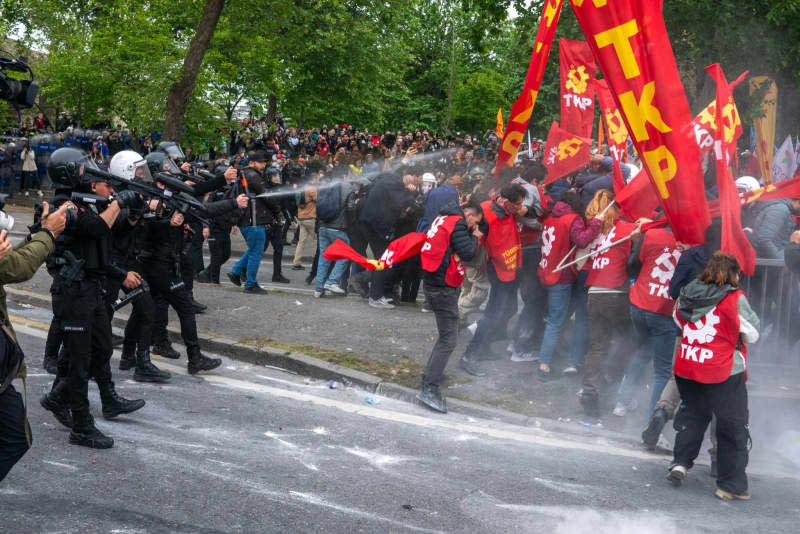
x: 747, y: 183
x: 131, y: 166
x: 428, y: 177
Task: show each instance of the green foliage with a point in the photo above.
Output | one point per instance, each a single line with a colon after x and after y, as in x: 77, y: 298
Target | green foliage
x: 375, y: 63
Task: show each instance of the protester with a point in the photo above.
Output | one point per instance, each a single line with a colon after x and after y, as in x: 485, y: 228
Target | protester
x: 717, y: 324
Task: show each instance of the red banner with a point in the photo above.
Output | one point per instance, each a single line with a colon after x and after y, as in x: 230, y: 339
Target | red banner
x: 564, y: 153
x: 726, y: 132
x: 630, y: 43
x: 521, y: 110
x: 398, y: 250
x: 617, y: 132
x: 638, y: 199
x: 704, y: 125
x: 786, y: 189
x: 577, y: 86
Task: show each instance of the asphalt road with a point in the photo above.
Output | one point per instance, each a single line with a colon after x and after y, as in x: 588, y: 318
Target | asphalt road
x: 247, y: 449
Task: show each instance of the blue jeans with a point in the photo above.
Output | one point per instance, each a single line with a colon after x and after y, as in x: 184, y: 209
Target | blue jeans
x: 561, y: 299
x: 326, y: 237
x: 255, y: 237
x: 655, y: 337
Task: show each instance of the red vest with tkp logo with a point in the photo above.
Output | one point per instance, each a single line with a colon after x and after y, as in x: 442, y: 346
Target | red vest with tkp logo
x: 706, y: 351
x: 610, y: 267
x: 434, y: 248
x: 555, y: 245
x: 659, y: 257
x: 502, y: 243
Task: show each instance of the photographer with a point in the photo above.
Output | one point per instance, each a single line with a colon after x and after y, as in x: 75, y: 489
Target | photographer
x: 79, y: 266
x: 18, y: 265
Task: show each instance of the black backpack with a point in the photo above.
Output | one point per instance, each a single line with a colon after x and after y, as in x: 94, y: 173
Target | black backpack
x: 329, y: 202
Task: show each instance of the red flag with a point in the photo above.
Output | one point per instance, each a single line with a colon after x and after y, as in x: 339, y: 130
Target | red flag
x: 398, y: 250
x: 499, y: 128
x: 630, y: 43
x: 565, y: 153
x: 523, y: 107
x: 726, y: 118
x: 638, y: 199
x: 704, y: 125
x: 617, y: 132
x: 577, y: 86
x: 786, y: 189
x: 659, y: 223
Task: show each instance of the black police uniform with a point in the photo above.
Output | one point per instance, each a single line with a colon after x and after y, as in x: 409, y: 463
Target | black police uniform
x: 162, y: 248
x: 219, y: 238
x: 79, y: 266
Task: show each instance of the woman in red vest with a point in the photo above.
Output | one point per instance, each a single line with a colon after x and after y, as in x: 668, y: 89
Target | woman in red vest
x: 716, y: 323
x: 608, y: 307
x: 564, y: 227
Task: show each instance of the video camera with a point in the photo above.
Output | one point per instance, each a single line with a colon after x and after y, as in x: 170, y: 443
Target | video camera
x: 18, y: 93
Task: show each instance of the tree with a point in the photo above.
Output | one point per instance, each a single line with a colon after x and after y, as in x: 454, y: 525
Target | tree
x: 182, y: 88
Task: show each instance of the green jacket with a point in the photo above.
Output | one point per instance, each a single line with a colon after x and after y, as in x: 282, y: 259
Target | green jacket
x: 20, y: 265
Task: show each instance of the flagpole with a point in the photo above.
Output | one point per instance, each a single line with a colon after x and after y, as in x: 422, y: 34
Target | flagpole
x: 574, y: 247
x: 594, y: 253
x: 530, y: 150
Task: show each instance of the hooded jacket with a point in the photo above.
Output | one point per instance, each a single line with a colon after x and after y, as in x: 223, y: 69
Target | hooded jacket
x: 698, y: 298
x: 462, y: 243
x: 772, y: 228
x: 387, y: 198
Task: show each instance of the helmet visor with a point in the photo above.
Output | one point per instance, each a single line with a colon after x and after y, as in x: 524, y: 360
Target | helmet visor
x: 175, y: 153
x: 82, y: 164
x: 168, y: 166
x: 141, y: 172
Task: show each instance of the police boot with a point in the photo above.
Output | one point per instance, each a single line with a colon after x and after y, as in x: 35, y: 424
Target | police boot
x: 198, y: 362
x: 84, y: 433
x: 50, y: 362
x: 128, y: 359
x: 147, y: 372
x: 164, y: 349
x: 203, y: 276
x: 113, y: 404
x: 57, y: 401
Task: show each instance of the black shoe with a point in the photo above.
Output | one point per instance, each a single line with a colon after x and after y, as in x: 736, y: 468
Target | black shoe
x: 591, y: 404
x: 128, y: 358
x: 470, y: 366
x: 255, y: 290
x: 235, y: 279
x: 87, y: 435
x: 147, y: 372
x: 198, y: 307
x: 117, y: 341
x: 113, y: 404
x: 60, y: 411
x: 50, y: 364
x: 432, y: 398
x: 654, y: 428
x: 310, y: 278
x: 203, y: 276
x: 199, y: 362
x: 165, y: 350
x: 298, y: 268
x: 281, y: 279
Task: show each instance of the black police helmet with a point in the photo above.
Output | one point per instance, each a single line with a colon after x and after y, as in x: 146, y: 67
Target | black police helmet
x: 66, y: 167
x: 160, y: 162
x: 172, y: 149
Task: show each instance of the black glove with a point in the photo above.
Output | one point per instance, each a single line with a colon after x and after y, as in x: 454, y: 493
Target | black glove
x: 128, y: 199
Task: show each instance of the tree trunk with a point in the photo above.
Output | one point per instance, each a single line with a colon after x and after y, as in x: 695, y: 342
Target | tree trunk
x: 272, y: 108
x: 182, y: 89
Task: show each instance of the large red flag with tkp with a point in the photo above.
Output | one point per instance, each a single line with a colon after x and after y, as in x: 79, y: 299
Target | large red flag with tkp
x: 617, y: 132
x: 523, y: 107
x: 577, y: 86
x: 564, y: 153
x: 630, y: 43
x: 726, y: 120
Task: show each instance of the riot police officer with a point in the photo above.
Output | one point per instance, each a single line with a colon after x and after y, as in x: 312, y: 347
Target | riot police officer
x: 125, y: 274
x: 79, y: 266
x: 219, y: 238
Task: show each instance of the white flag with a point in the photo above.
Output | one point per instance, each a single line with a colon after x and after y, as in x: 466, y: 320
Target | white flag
x: 785, y: 162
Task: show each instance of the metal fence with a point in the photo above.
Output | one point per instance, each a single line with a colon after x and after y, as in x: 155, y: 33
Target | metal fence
x: 774, y: 294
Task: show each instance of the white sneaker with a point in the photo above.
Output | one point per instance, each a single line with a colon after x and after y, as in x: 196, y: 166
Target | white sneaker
x: 524, y: 357
x: 620, y: 410
x: 380, y: 304
x: 677, y: 474
x: 570, y: 370
x: 334, y: 288
x: 317, y: 294
x: 387, y: 300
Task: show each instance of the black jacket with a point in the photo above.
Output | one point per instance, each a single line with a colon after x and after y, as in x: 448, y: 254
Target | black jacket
x: 268, y: 210
x: 462, y: 243
x: 387, y: 199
